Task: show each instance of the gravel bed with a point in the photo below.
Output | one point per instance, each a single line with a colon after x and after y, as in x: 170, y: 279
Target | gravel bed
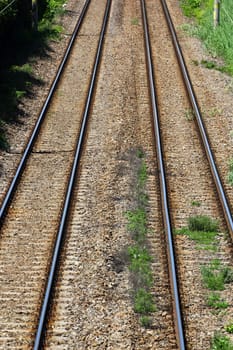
x: 93, y: 299
x: 93, y: 308
x: 44, y: 68
x: 188, y: 180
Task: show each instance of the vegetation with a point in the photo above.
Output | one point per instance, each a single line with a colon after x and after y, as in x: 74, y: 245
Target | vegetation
x: 201, y: 229
x: 215, y: 301
x: 139, y: 257
x: 215, y: 275
x: 202, y: 223
x: 196, y: 203
x: 218, y: 41
x: 134, y: 21
x: 20, y: 43
x: 229, y: 328
x: 189, y: 115
x: 230, y: 173
x: 221, y: 342
x: 143, y: 302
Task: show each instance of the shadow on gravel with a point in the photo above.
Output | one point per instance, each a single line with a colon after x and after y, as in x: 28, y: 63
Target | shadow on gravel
x: 16, y: 74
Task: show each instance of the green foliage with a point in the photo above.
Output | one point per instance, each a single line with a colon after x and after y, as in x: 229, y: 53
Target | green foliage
x: 140, y: 153
x: 142, y: 175
x: 54, y: 8
x: 202, y: 230
x: 208, y: 64
x: 196, y: 203
x: 219, y: 40
x: 17, y: 76
x: 215, y: 276
x: 143, y: 302
x: 221, y: 342
x: 137, y: 222
x: 202, y: 223
x: 229, y: 328
x: 134, y: 21
x: 206, y: 240
x: 146, y: 321
x: 138, y: 255
x: 215, y: 301
x: 230, y: 173
x: 189, y: 115
x: 193, y: 7
x: 140, y: 265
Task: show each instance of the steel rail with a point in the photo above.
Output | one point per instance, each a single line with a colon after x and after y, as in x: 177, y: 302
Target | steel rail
x: 69, y: 191
x: 163, y: 186
x: 205, y: 141
x: 35, y: 132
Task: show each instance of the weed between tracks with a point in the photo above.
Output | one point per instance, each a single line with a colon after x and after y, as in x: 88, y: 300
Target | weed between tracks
x: 230, y: 173
x: 139, y: 257
x: 215, y: 276
x: 203, y: 230
x: 221, y: 342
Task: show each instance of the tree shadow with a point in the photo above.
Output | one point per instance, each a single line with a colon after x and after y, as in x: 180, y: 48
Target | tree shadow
x: 16, y: 75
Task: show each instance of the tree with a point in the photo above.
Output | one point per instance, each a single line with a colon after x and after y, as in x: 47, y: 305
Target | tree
x: 25, y: 14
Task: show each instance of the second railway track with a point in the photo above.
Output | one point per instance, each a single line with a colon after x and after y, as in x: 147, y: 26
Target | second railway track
x: 92, y: 305
x: 29, y: 230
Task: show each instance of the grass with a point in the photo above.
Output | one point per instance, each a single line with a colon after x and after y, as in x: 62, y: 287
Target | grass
x: 189, y: 115
x: 201, y: 229
x: 138, y: 254
x: 134, y: 21
x: 142, y: 175
x: 229, y: 328
x: 218, y: 41
x: 215, y: 301
x: 215, y: 276
x: 137, y: 221
x: 230, y: 173
x: 140, y: 261
x: 196, y: 203
x: 221, y: 342
x: 202, y: 223
x: 146, y: 321
x: 203, y: 238
x: 143, y: 302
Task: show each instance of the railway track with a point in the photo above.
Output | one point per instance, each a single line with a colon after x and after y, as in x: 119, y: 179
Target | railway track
x: 91, y: 304
x: 33, y: 217
x: 176, y: 167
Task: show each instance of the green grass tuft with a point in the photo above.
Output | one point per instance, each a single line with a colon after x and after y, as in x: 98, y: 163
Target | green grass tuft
x: 206, y: 240
x: 137, y: 222
x: 134, y: 21
x: 221, y: 342
x: 229, y: 328
x: 146, y: 321
x: 215, y: 301
x: 215, y: 276
x: 196, y: 203
x: 230, y: 173
x: 143, y: 302
x: 202, y: 223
